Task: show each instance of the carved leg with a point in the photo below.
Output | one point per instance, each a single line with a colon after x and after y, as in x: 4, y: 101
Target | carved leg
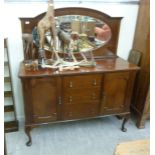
x: 27, y: 131
x: 126, y: 118
x: 119, y: 117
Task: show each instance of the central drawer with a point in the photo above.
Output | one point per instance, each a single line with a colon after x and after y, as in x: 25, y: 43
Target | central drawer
x: 76, y: 96
x: 80, y: 111
x: 82, y: 81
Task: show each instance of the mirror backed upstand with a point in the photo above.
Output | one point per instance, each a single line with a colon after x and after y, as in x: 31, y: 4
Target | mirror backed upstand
x: 88, y: 92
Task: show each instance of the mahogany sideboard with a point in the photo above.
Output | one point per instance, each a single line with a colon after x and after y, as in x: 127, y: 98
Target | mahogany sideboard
x: 88, y: 92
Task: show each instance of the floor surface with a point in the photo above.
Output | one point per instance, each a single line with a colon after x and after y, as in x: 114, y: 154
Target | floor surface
x: 87, y: 137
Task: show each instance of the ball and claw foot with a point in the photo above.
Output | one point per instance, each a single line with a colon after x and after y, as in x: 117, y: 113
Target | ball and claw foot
x: 29, y: 143
x: 124, y: 129
x: 27, y: 131
x: 126, y: 118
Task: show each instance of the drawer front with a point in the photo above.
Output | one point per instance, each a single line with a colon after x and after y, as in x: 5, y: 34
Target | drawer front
x: 82, y: 81
x: 76, y: 96
x: 80, y: 111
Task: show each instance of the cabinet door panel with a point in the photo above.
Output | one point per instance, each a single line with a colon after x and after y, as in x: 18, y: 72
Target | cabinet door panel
x: 114, y: 91
x: 43, y: 98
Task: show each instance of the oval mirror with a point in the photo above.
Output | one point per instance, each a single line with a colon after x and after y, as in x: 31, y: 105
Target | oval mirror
x: 86, y: 33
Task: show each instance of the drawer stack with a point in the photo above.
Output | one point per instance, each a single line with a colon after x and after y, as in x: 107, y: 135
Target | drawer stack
x: 81, y: 96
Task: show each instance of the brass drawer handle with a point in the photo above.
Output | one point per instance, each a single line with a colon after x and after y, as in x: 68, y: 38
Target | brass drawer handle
x: 70, y: 99
x: 59, y: 100
x: 70, y: 84
x: 44, y: 117
x: 94, y: 82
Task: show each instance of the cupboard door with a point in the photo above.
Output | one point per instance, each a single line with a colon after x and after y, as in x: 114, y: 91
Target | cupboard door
x: 43, y: 99
x: 114, y: 92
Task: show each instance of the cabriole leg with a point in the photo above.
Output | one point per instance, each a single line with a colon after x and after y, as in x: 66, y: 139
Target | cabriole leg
x: 27, y: 131
x: 126, y: 118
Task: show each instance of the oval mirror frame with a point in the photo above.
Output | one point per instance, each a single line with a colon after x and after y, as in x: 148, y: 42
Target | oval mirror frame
x: 91, y: 33
x: 108, y: 50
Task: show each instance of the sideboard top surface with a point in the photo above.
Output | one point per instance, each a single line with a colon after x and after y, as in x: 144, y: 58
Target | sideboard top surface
x: 104, y: 65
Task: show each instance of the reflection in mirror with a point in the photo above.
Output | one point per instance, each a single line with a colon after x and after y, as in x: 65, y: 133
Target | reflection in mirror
x: 90, y: 33
x: 82, y: 33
